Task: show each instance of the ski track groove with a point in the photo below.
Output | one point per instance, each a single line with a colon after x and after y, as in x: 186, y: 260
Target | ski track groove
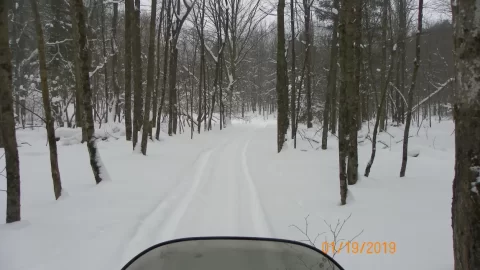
x: 169, y: 228
x: 150, y: 221
x: 257, y: 211
x: 162, y: 221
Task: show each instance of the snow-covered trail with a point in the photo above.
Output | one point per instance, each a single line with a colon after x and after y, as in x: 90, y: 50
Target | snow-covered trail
x: 229, y: 182
x: 216, y: 196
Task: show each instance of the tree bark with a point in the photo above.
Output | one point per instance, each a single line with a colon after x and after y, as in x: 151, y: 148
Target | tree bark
x: 128, y: 68
x: 202, y: 69
x: 87, y: 92
x: 52, y: 143
x: 150, y: 79
x: 308, y: 65
x: 380, y: 108
x: 165, y: 66
x: 172, y: 79
x: 331, y: 79
x: 282, y: 78
x: 7, y: 121
x: 105, y: 66
x: 346, y: 30
x: 79, y: 115
x: 384, y: 56
x: 402, y: 52
x: 157, y: 79
x: 416, y: 65
x: 353, y: 72
x: 116, y: 87
x: 466, y: 184
x: 137, y: 74
x: 294, y: 78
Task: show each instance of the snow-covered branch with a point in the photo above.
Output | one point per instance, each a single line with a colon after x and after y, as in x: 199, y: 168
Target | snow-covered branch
x: 59, y: 42
x: 439, y: 89
x: 400, y: 93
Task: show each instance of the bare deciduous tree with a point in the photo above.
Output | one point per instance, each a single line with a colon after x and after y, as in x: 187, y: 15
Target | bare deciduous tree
x: 52, y: 143
x: 150, y: 79
x: 7, y: 121
x: 282, y: 78
x: 416, y: 65
x: 95, y: 161
x: 466, y: 184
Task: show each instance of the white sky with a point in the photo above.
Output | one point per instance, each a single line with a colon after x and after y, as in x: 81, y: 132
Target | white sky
x: 433, y: 9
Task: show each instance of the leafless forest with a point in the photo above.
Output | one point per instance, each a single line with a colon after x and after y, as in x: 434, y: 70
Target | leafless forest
x: 186, y: 65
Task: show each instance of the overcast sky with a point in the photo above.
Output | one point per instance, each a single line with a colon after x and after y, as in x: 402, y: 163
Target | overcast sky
x: 433, y: 9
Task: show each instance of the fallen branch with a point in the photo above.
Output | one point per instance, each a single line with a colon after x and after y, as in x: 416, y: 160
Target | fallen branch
x: 389, y: 134
x: 402, y: 139
x: 386, y: 145
x: 303, y: 138
x: 189, y: 118
x: 439, y: 89
x: 398, y: 91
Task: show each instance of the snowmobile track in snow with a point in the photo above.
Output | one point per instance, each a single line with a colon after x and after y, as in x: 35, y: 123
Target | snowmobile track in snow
x: 215, y: 190
x: 152, y: 221
x: 259, y: 217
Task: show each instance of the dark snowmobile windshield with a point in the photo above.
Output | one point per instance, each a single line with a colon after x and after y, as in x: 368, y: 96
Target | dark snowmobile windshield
x: 232, y: 253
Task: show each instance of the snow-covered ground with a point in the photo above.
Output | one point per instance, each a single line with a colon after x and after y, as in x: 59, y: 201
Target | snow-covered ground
x: 230, y: 182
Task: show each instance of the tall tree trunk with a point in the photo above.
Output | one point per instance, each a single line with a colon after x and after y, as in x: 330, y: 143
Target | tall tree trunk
x: 157, y: 83
x: 172, y: 79
x: 105, y: 69
x: 7, y: 121
x: 220, y: 94
x: 165, y: 66
x: 19, y: 84
x: 347, y: 32
x: 79, y: 115
x: 402, y: 53
x: 380, y: 108
x: 216, y: 82
x: 294, y: 78
x: 384, y: 56
x: 128, y: 68
x: 52, y: 143
x: 116, y: 87
x: 308, y: 65
x: 331, y: 79
x: 334, y: 89
x: 150, y: 79
x: 137, y: 74
x: 95, y: 161
x: 282, y: 78
x: 202, y: 69
x: 466, y: 184
x: 416, y: 65
x: 353, y: 72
